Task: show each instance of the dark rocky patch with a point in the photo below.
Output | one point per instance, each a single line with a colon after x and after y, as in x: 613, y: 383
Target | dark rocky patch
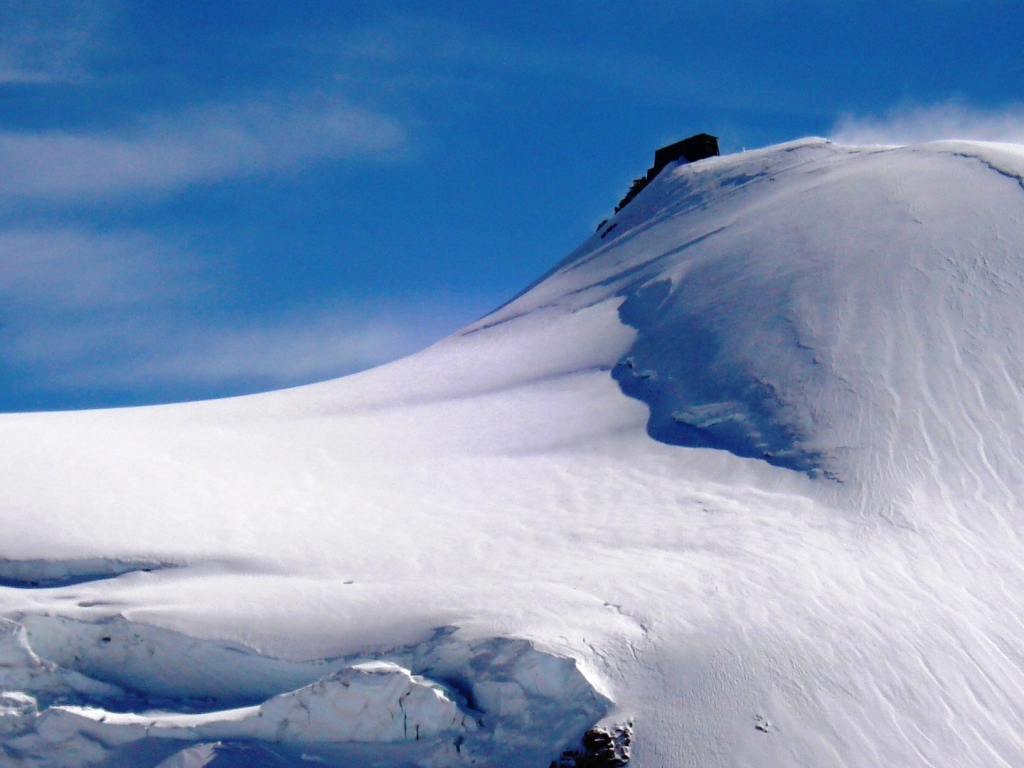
x: 602, y: 748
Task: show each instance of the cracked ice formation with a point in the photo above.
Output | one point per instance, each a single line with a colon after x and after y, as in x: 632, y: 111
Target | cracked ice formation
x: 502, y: 699
x: 376, y: 701
x: 22, y: 670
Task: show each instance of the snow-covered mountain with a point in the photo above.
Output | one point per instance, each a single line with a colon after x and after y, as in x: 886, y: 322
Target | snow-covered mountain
x: 743, y: 476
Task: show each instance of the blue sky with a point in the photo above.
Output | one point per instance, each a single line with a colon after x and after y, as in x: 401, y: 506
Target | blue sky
x: 200, y: 199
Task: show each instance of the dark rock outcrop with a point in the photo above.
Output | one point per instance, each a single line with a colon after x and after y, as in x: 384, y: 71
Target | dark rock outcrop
x: 603, y: 747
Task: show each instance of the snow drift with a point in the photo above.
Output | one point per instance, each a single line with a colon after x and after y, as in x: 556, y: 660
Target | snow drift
x: 744, y: 470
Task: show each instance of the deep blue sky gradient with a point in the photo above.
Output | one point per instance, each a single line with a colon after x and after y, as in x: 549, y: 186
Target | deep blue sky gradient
x: 181, y: 217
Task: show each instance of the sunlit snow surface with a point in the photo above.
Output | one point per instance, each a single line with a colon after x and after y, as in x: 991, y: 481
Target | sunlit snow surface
x: 816, y: 561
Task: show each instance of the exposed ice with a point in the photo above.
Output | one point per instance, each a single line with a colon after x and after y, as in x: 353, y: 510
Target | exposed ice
x: 46, y: 574
x: 524, y: 702
x: 370, y: 702
x: 192, y: 757
x: 21, y: 670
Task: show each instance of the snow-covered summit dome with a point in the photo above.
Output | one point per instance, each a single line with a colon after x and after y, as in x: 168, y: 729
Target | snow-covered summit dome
x: 745, y: 470
x: 854, y: 313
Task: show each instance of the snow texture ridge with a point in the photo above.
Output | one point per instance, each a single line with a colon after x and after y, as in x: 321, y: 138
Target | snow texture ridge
x: 43, y: 574
x: 737, y: 484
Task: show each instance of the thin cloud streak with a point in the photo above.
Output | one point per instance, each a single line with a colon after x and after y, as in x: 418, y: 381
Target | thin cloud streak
x: 45, y: 41
x: 90, y: 312
x: 65, y: 270
x: 167, y: 154
x: 419, y: 53
x: 916, y: 125
x: 183, y: 352
x: 284, y: 351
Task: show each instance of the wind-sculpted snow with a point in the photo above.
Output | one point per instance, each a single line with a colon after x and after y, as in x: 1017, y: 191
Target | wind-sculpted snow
x: 737, y: 484
x: 827, y: 310
x: 697, y: 396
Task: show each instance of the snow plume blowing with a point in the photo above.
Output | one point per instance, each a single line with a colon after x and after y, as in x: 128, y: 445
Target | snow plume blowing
x: 914, y: 125
x: 737, y: 484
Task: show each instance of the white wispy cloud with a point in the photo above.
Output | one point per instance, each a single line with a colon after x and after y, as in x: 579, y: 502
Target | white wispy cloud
x: 917, y: 124
x: 69, y: 270
x: 86, y: 311
x: 420, y: 53
x: 184, y: 351
x: 45, y: 41
x: 299, y: 347
x: 417, y: 51
x: 166, y: 154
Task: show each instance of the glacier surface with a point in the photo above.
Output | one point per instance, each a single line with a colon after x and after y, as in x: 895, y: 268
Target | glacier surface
x: 745, y: 471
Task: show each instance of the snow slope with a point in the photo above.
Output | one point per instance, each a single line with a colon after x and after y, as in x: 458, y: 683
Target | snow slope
x: 746, y: 469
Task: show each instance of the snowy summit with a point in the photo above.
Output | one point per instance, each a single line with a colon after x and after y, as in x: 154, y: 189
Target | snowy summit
x: 738, y: 483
